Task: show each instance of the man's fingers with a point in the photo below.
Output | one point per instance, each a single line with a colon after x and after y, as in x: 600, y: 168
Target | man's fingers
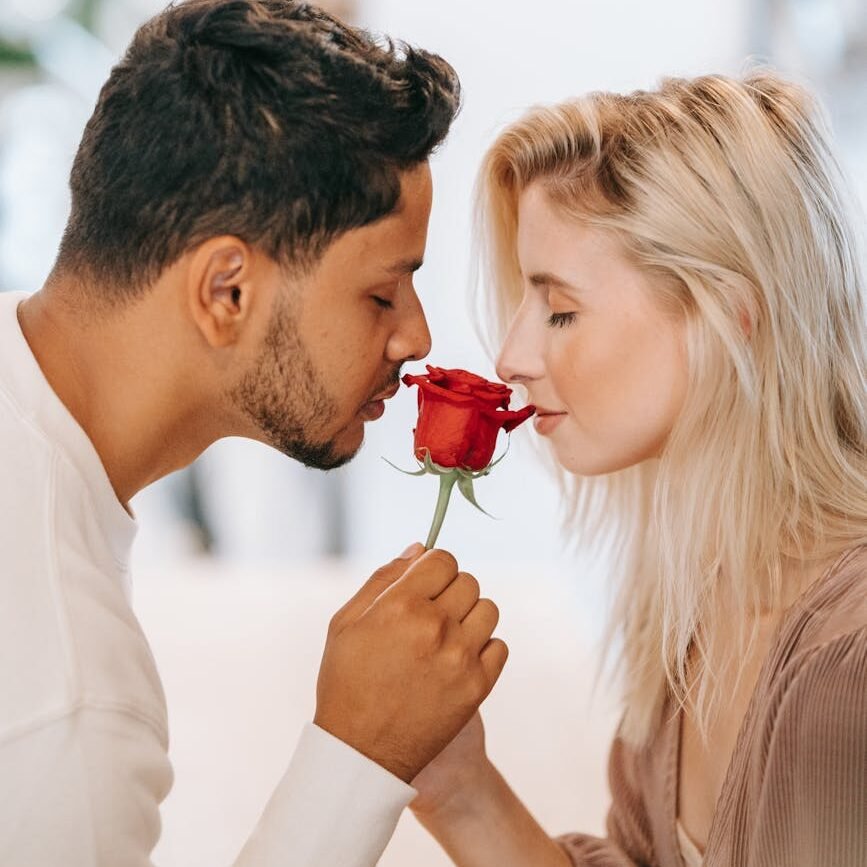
x: 493, y: 658
x: 480, y: 623
x: 378, y: 583
x: 460, y: 596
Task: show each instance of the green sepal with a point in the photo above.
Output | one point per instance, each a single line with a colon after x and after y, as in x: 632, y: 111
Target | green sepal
x: 428, y: 467
x: 465, y: 486
x: 405, y: 472
x: 435, y: 469
x: 489, y: 467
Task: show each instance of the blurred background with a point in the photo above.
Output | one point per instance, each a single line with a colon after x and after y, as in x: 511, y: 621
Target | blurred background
x: 242, y: 558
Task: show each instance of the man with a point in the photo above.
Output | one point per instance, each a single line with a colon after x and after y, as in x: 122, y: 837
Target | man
x: 249, y: 203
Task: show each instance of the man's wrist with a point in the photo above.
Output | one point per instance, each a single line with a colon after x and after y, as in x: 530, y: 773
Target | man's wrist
x: 392, y: 763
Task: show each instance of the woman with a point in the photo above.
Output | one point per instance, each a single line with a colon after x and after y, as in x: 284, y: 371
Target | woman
x: 683, y: 302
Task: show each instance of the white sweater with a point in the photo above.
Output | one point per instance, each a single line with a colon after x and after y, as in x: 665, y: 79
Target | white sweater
x: 83, y: 724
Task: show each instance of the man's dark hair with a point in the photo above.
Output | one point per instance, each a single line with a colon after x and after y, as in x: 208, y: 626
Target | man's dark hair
x: 266, y: 119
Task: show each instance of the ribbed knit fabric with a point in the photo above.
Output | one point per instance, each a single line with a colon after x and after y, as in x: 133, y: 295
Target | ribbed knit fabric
x: 795, y: 793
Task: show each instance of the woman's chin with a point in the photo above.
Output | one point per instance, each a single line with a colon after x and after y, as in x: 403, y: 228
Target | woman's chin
x: 590, y: 462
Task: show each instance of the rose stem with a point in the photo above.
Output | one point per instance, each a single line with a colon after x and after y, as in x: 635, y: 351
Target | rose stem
x: 447, y: 482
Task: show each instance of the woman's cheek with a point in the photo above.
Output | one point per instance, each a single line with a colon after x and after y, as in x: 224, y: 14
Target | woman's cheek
x: 564, y: 368
x: 581, y: 377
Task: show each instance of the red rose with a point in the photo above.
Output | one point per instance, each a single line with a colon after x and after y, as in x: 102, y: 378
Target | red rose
x: 460, y: 415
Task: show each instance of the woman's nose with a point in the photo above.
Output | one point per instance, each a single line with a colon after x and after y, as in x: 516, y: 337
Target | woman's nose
x: 520, y: 359
x: 509, y: 372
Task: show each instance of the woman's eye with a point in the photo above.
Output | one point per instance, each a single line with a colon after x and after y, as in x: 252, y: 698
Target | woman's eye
x: 384, y: 303
x: 561, y: 320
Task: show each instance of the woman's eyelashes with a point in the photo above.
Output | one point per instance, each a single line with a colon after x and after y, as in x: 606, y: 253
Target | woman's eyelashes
x: 384, y: 303
x: 561, y: 320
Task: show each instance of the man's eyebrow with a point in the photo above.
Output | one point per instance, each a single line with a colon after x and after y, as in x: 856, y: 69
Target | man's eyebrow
x: 548, y: 281
x: 405, y: 266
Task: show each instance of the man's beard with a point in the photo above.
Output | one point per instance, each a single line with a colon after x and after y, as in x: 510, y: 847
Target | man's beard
x: 281, y: 394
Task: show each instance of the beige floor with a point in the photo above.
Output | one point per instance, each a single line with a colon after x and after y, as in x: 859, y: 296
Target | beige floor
x: 239, y: 656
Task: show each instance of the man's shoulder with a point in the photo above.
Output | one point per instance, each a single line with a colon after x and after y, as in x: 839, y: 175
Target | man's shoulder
x: 67, y: 631
x: 69, y: 639
x: 23, y: 444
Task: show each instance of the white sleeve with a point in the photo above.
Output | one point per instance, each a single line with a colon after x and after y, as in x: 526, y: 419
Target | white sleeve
x: 334, y: 807
x: 84, y: 790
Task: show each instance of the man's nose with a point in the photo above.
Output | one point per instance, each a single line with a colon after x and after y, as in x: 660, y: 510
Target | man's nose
x: 412, y: 340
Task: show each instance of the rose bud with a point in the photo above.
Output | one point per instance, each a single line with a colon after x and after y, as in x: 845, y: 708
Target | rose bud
x: 460, y: 416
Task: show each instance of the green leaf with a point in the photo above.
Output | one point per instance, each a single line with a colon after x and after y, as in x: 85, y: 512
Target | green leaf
x: 465, y: 486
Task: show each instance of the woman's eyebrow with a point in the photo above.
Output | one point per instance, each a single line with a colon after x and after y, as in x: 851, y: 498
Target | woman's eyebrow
x: 547, y: 280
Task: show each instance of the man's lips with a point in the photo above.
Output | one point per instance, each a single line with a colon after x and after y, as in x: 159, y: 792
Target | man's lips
x: 386, y: 395
x: 375, y: 407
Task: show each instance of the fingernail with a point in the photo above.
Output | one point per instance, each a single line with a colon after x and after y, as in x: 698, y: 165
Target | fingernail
x: 415, y: 548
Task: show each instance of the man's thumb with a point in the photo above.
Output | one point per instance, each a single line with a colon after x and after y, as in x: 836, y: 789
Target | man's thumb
x: 379, y: 582
x: 411, y: 553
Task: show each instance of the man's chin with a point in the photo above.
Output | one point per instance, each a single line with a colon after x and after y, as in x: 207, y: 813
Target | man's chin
x: 319, y: 458
x: 329, y: 455
x: 333, y: 462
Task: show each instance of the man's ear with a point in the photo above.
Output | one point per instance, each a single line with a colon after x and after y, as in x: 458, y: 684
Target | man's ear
x: 219, y: 289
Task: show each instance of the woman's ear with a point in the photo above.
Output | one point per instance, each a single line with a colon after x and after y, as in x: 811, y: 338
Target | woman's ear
x: 746, y: 322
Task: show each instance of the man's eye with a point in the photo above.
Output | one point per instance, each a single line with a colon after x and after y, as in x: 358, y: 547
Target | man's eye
x: 384, y: 303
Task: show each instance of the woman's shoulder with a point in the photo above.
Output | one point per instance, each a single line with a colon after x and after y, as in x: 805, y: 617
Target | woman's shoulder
x: 807, y: 733
x: 813, y: 728
x: 819, y: 665
x: 834, y: 608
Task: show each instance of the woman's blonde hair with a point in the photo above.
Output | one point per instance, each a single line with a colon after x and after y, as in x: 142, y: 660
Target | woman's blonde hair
x: 727, y: 191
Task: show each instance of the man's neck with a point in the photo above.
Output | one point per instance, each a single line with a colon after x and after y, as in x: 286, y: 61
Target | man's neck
x: 125, y: 386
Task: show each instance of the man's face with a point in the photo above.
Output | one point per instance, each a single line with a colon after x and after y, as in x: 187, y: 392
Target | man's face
x: 337, y: 339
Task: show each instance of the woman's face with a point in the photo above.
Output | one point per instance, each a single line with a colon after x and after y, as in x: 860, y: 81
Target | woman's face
x: 603, y: 362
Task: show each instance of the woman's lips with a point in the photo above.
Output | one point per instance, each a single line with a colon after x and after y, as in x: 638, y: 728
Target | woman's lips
x: 546, y: 420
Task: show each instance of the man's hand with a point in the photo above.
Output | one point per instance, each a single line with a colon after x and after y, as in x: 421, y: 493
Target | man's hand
x: 408, y: 661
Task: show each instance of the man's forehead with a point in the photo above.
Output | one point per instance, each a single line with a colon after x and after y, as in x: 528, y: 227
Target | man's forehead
x: 416, y: 188
x: 377, y: 252
x: 395, y: 244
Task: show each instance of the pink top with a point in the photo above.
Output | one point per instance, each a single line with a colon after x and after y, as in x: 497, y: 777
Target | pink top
x: 795, y: 793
